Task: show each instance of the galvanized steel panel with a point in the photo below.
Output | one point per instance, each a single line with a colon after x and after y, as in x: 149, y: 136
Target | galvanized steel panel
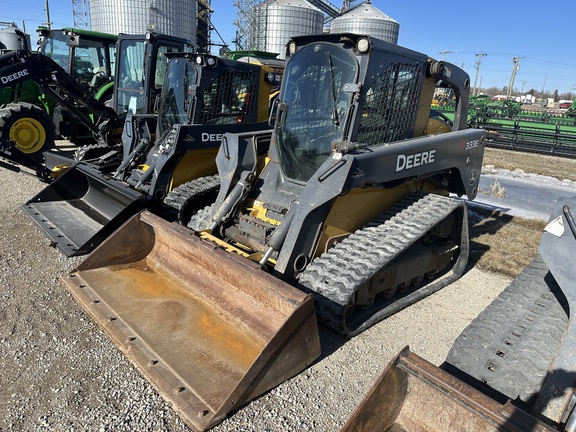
x: 172, y: 17
x: 368, y: 20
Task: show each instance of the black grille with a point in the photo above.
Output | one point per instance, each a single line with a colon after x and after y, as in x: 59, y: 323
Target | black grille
x: 391, y: 104
x: 231, y: 98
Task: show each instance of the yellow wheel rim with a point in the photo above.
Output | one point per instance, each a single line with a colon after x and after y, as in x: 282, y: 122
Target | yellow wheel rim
x: 28, y: 134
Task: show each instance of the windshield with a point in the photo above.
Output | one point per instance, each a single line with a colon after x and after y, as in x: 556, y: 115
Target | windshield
x: 131, y: 79
x: 134, y: 80
x: 92, y: 60
x: 177, y: 95
x: 54, y: 46
x: 313, y: 107
x: 90, y: 64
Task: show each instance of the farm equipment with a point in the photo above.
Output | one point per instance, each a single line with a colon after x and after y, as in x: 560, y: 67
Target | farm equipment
x: 203, y: 97
x: 79, y: 97
x: 20, y: 66
x: 554, y: 136
x: 509, y: 126
x: 31, y: 118
x: 513, y: 368
x: 349, y: 208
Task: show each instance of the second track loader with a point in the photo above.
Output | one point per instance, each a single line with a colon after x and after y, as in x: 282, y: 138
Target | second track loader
x: 350, y: 207
x: 202, y: 98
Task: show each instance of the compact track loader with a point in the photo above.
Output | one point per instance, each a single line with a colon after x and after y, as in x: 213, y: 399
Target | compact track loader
x: 350, y: 208
x: 513, y: 368
x: 202, y: 98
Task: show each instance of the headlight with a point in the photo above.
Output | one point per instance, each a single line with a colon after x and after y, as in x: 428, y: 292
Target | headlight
x: 363, y: 45
x: 291, y: 48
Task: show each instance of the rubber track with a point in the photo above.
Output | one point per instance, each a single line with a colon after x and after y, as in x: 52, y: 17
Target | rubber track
x: 335, y: 276
x: 510, y: 345
x: 93, y: 152
x: 176, y: 200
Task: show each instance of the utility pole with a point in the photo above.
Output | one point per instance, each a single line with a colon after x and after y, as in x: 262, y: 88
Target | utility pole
x: 444, y: 54
x: 477, y: 64
x: 516, y: 61
x: 543, y: 85
x: 48, y: 23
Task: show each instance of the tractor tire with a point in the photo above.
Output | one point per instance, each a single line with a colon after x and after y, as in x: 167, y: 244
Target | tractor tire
x: 29, y: 127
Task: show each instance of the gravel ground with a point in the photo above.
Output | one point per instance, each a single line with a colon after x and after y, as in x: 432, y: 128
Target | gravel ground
x: 61, y: 373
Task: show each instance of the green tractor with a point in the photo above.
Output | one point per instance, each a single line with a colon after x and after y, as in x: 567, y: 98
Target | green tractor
x: 31, y: 118
x: 77, y: 97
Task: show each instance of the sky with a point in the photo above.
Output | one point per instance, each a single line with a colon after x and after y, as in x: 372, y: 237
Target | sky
x: 540, y: 34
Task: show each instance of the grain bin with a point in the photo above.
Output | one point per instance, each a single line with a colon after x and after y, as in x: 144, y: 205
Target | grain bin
x: 12, y: 38
x: 172, y: 17
x: 368, y: 20
x: 288, y: 18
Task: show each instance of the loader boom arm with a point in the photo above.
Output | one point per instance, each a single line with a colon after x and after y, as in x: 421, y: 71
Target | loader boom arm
x: 19, y: 66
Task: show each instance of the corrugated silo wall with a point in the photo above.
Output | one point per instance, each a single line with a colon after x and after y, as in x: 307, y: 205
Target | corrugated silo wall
x: 285, y: 21
x: 385, y: 30
x: 173, y: 17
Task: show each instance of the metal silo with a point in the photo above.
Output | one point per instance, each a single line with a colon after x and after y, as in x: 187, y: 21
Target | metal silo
x: 288, y: 18
x: 12, y: 38
x: 366, y: 19
x: 172, y: 17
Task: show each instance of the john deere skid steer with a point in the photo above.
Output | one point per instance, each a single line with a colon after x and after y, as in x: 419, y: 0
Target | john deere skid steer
x: 202, y: 98
x: 351, y: 208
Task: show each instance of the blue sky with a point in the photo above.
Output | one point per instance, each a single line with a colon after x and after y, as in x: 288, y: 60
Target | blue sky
x: 540, y: 33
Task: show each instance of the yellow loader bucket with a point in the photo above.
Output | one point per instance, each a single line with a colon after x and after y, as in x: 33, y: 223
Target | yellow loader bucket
x: 208, y: 329
x: 414, y: 395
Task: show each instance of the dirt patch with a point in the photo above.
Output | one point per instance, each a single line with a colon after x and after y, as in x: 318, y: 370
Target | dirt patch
x: 502, y: 243
x: 553, y: 166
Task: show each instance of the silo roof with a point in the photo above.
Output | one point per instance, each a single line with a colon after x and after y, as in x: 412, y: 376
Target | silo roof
x: 294, y: 3
x: 366, y: 10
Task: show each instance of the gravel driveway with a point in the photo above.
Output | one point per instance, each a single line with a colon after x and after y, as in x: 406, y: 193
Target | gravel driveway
x: 60, y: 372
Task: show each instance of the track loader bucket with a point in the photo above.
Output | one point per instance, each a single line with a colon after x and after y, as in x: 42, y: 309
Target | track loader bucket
x: 82, y: 208
x: 414, y: 395
x: 210, y: 330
